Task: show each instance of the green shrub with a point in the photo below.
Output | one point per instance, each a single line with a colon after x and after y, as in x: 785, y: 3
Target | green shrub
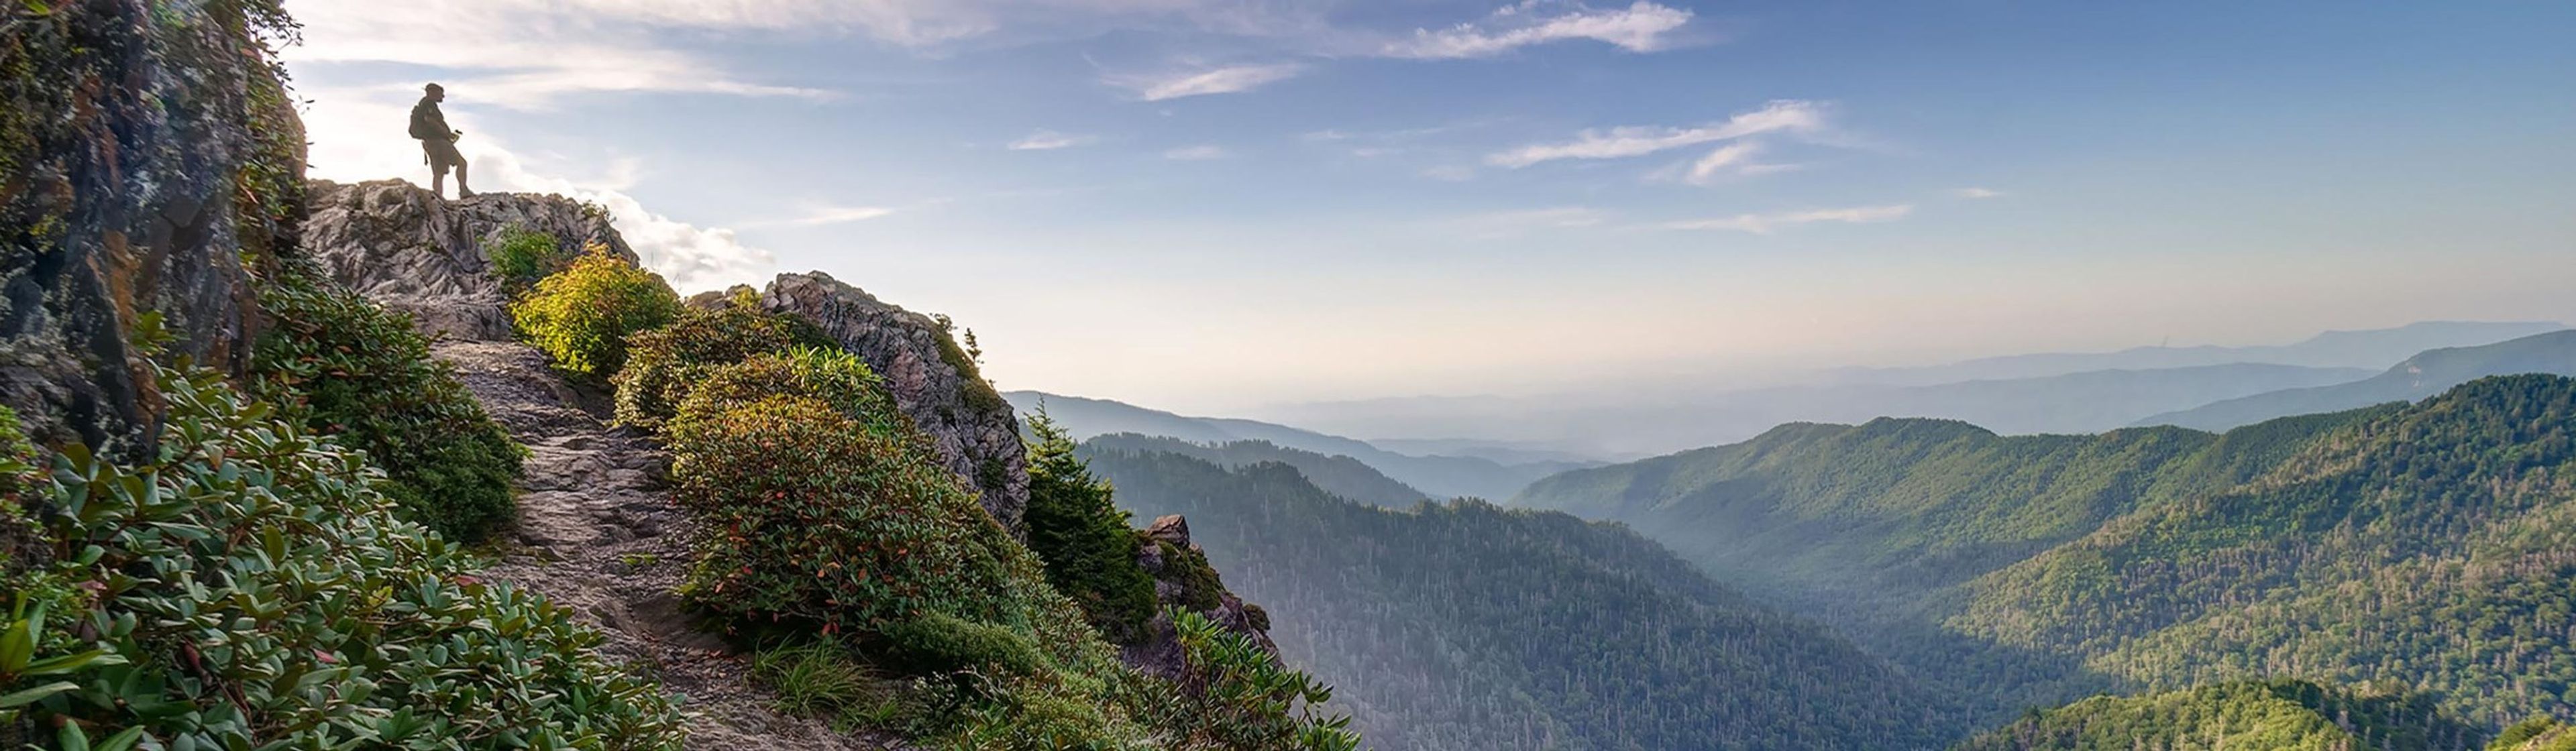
x: 252, y: 589
x: 358, y: 371
x: 521, y: 256
x: 663, y: 364
x: 810, y: 516
x: 582, y: 315
x: 1237, y: 696
x: 1078, y: 532
x: 943, y: 643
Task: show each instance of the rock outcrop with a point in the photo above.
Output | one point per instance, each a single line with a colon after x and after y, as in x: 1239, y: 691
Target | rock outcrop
x: 408, y: 250
x: 143, y: 151
x: 931, y: 379
x: 1183, y: 579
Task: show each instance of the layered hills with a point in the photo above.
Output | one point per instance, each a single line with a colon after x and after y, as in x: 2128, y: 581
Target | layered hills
x: 2422, y: 544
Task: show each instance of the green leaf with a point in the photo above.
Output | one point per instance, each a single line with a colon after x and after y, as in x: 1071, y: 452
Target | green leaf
x: 71, y: 738
x: 33, y: 695
x: 69, y: 663
x: 18, y: 644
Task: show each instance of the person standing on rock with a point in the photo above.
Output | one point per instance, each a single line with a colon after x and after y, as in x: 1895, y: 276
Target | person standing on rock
x: 430, y: 126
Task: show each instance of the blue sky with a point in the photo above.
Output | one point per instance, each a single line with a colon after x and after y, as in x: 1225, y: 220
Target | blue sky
x: 1217, y: 204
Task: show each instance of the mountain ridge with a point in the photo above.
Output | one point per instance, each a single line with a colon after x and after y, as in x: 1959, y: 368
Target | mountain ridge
x: 2418, y: 377
x: 1438, y: 476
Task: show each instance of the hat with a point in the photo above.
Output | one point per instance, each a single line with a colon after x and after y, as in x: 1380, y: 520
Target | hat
x: 434, y: 87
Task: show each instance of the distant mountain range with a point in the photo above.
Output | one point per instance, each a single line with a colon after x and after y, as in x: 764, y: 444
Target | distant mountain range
x: 1339, y: 475
x: 2420, y: 545
x: 2372, y: 349
x: 1439, y: 476
x: 2421, y: 376
x: 2039, y: 393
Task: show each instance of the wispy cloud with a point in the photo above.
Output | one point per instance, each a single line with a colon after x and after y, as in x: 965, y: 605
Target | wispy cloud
x: 1641, y: 27
x: 1730, y: 157
x: 1514, y: 223
x: 817, y: 215
x: 1230, y: 79
x: 1615, y: 143
x: 1044, y: 140
x: 1764, y: 224
x: 1197, y: 153
x: 1973, y: 193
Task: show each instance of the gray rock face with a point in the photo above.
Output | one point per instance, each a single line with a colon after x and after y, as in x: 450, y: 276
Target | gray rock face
x: 408, y: 250
x: 931, y: 380
x: 1160, y: 653
x: 126, y: 131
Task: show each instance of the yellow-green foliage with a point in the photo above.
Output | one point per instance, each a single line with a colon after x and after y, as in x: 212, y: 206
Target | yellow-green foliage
x: 251, y: 589
x: 663, y: 364
x: 582, y: 315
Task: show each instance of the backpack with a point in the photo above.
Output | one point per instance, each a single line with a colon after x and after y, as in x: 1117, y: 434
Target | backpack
x: 420, y: 127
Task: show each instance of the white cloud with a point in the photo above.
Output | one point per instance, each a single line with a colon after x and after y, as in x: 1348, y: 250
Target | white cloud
x: 1197, y: 153
x: 1764, y: 224
x: 521, y: 54
x: 1641, y: 27
x: 1045, y: 140
x: 1225, y: 80
x: 1615, y: 143
x: 1977, y: 193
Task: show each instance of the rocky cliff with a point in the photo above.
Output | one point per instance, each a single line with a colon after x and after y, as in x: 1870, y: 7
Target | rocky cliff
x: 932, y: 380
x: 408, y: 250
x: 143, y: 150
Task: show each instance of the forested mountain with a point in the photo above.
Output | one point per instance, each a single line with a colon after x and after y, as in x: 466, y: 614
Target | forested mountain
x: 1441, y: 476
x: 2281, y: 715
x: 2421, y: 376
x: 2080, y: 402
x: 2431, y: 545
x: 1339, y: 475
x: 1468, y: 626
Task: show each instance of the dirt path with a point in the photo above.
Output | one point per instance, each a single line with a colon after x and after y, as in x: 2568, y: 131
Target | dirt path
x: 598, y: 533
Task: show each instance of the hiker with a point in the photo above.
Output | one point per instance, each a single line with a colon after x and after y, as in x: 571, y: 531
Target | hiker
x: 430, y: 126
